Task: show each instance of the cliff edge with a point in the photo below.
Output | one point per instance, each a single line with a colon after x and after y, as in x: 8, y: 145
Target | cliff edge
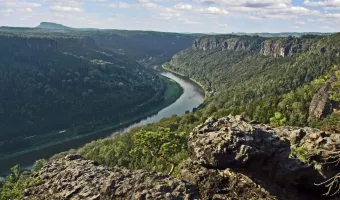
x: 230, y: 158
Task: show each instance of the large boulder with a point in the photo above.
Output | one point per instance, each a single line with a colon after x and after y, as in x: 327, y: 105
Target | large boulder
x: 76, y: 178
x: 287, y: 157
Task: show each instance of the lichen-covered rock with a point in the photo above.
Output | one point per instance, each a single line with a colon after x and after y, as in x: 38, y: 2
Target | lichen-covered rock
x: 227, y: 184
x: 264, y: 153
x: 222, y: 184
x: 76, y: 178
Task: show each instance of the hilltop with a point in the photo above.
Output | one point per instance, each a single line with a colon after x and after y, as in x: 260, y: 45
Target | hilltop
x: 50, y: 25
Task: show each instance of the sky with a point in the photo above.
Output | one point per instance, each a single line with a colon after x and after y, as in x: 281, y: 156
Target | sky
x: 195, y: 16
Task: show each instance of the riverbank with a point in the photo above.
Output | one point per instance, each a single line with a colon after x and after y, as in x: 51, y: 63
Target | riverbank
x: 171, y: 93
x: 206, y: 93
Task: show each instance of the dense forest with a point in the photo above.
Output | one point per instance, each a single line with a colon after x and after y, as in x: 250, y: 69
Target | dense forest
x: 258, y: 77
x: 57, y: 85
x: 148, y: 47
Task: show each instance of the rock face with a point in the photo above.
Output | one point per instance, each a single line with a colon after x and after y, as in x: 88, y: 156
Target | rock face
x: 279, y: 48
x: 321, y: 106
x: 265, y: 156
x: 232, y: 43
x: 76, y: 178
x: 275, y: 47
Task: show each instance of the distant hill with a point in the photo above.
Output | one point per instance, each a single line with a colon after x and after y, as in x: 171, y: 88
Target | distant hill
x: 50, y: 25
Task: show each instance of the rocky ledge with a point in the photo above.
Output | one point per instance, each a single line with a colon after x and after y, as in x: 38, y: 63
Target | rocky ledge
x: 230, y: 158
x: 76, y: 178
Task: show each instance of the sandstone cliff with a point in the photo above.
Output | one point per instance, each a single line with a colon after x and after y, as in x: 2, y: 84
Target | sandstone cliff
x: 233, y: 43
x: 275, y: 47
x: 230, y: 158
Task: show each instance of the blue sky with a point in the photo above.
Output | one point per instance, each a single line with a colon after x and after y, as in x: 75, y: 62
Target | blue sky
x: 205, y: 16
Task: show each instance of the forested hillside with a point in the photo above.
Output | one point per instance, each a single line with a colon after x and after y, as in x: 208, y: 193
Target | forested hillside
x: 148, y: 47
x: 55, y: 87
x: 259, y: 76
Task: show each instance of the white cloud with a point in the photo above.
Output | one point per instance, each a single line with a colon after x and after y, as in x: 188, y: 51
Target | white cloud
x: 18, y: 4
x: 24, y: 9
x: 212, y: 10
x: 66, y: 9
x: 66, y: 2
x: 294, y: 27
x: 326, y: 4
x: 183, y: 6
x: 152, y: 6
x: 248, y: 3
x: 300, y: 22
x: 187, y: 21
x: 7, y: 10
x: 120, y: 5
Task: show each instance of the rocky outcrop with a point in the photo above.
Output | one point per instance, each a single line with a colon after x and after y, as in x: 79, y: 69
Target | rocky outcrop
x: 232, y: 43
x: 321, y: 105
x: 284, y: 161
x: 280, y: 47
x: 76, y: 178
x: 274, y: 47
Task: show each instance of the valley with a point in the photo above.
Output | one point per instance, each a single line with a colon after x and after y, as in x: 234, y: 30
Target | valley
x: 61, y: 84
x: 176, y: 102
x: 233, y: 116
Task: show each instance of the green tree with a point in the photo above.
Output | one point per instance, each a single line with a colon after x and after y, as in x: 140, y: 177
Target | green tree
x: 38, y: 165
x: 336, y: 86
x: 211, y: 109
x: 278, y: 119
x: 161, y: 144
x: 13, y: 186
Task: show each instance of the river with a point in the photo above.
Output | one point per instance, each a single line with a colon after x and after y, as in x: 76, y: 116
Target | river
x: 191, y: 98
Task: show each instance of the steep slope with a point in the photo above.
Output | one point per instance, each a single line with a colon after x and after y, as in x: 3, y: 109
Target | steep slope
x: 54, y: 88
x: 250, y: 74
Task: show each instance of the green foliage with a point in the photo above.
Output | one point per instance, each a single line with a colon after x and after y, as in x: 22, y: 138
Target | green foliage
x: 301, y: 153
x: 210, y: 110
x: 161, y: 144
x: 116, y: 151
x: 330, y: 123
x: 278, y: 119
x: 15, y: 183
x: 38, y: 165
x: 336, y: 87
